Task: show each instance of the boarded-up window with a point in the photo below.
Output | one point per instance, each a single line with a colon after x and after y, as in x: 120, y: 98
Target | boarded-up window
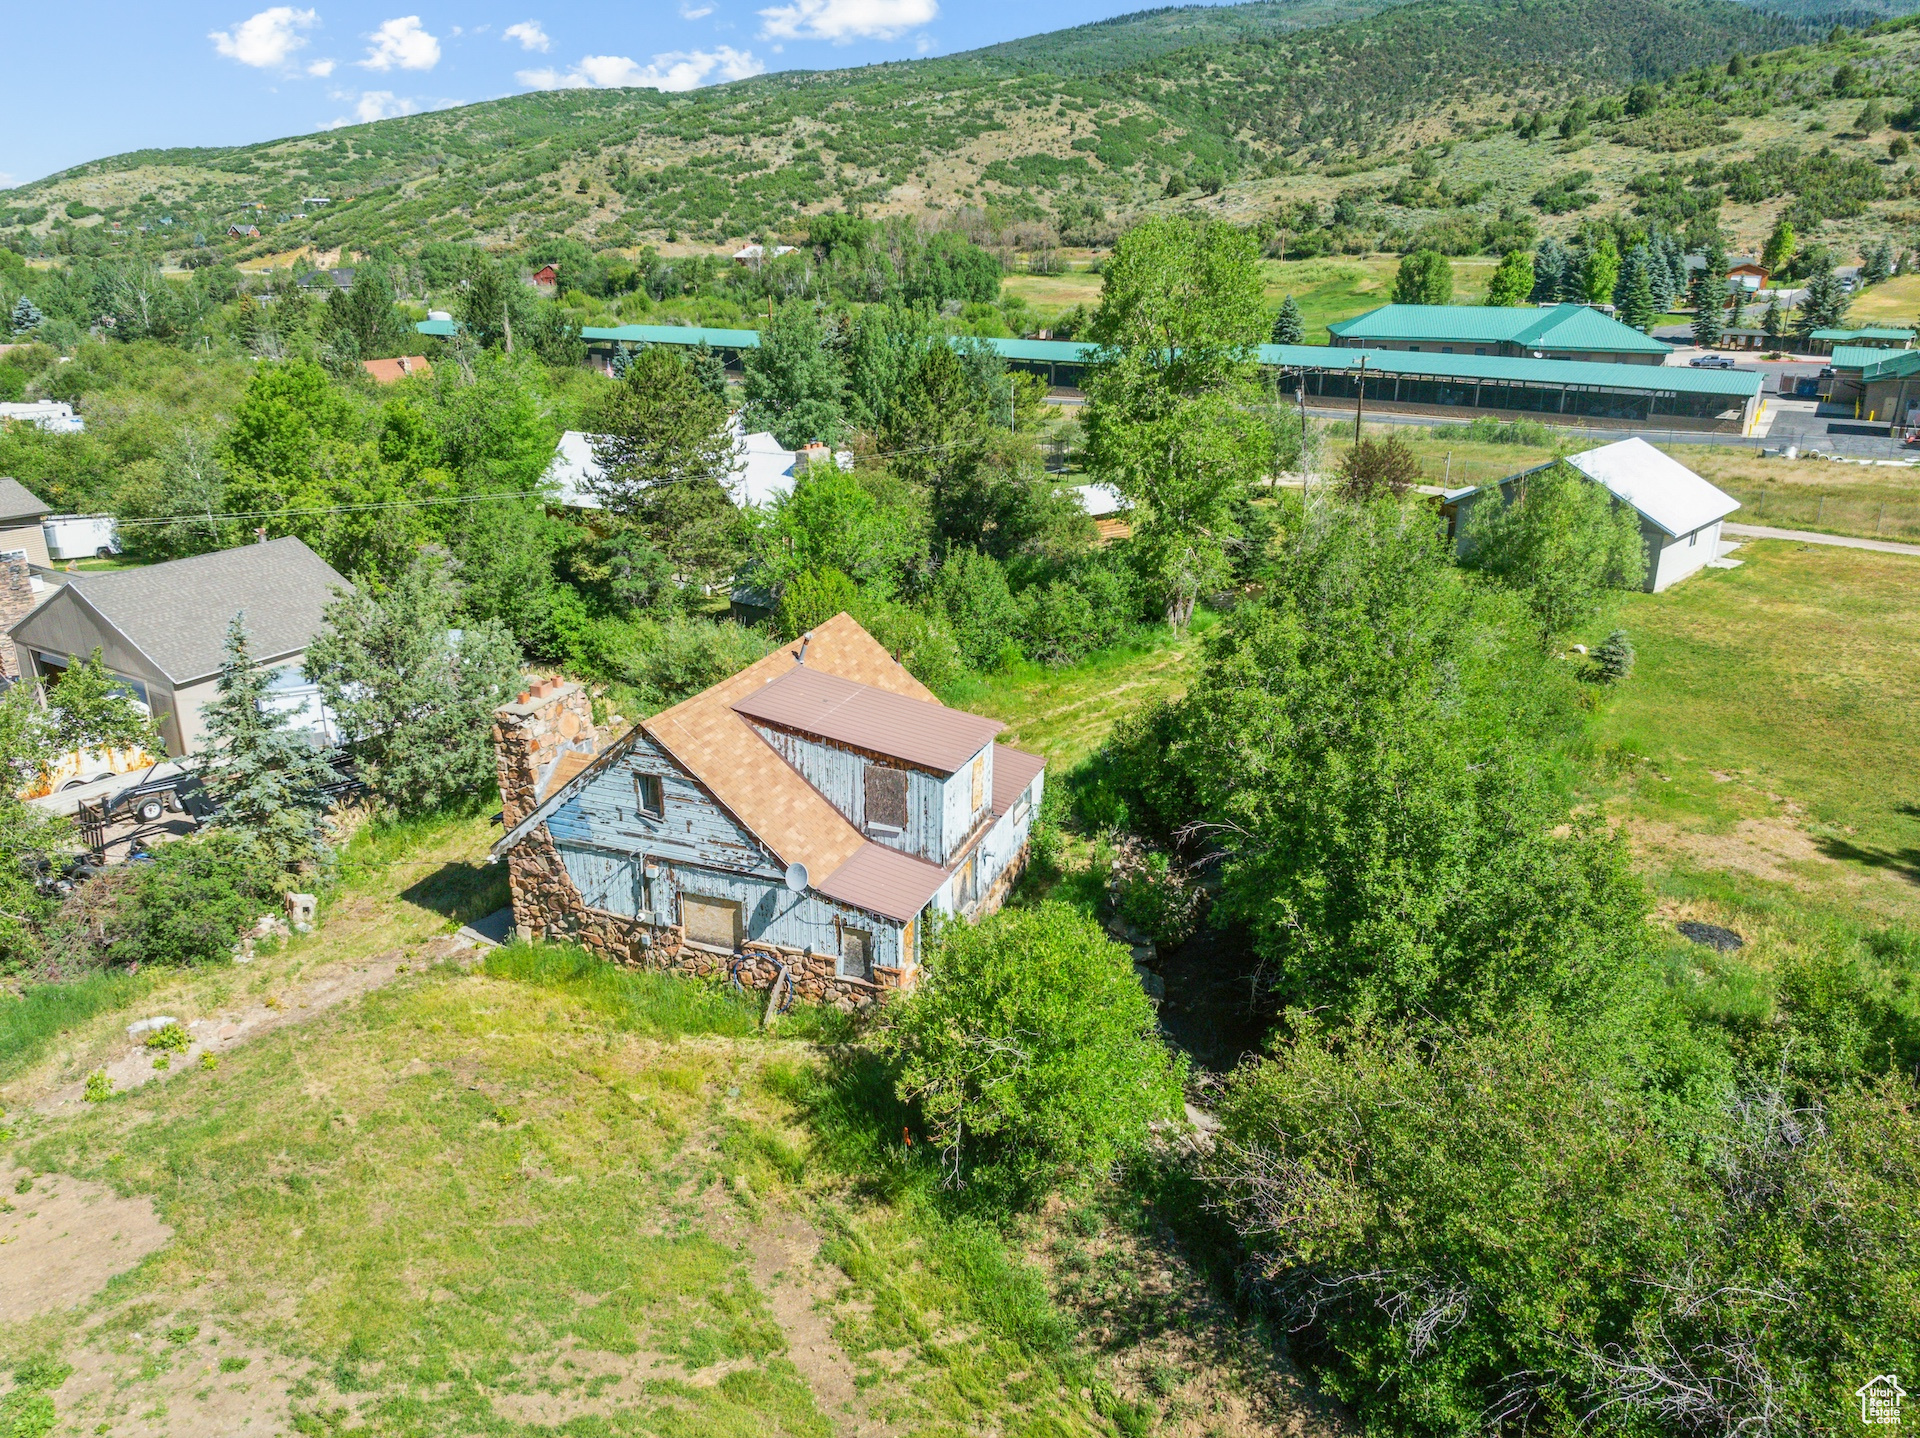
x: 856, y: 954
x: 979, y: 781
x: 886, y: 798
x: 714, y: 922
x: 906, y: 943
x: 966, y: 882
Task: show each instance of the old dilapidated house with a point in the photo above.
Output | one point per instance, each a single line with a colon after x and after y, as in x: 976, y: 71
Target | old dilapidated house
x: 797, y: 823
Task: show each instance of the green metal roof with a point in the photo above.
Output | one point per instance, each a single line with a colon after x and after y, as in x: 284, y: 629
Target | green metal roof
x: 1871, y: 332
x: 439, y: 329
x: 1891, y: 364
x: 1573, y: 327
x: 675, y: 335
x: 1672, y: 379
x: 1860, y: 356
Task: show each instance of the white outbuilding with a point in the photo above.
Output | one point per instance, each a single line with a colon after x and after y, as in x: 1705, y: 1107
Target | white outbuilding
x: 1680, y: 513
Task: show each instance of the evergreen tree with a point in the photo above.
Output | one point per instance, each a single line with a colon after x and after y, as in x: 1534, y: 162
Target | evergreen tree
x: 1771, y: 320
x: 415, y: 694
x: 1877, y: 265
x: 264, y: 777
x: 621, y: 362
x: 709, y: 370
x: 1288, y: 327
x: 1551, y: 264
x: 1637, y: 306
x: 26, y: 316
x: 1824, y: 305
x: 1778, y: 252
x: 1706, y: 308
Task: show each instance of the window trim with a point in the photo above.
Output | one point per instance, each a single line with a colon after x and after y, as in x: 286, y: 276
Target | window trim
x: 640, y: 804
x: 840, y: 959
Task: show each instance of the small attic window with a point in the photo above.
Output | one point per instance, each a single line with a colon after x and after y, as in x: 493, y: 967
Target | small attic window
x: 649, y: 795
x: 886, y: 799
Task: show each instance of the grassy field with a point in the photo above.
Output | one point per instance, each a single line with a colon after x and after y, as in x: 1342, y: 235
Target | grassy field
x: 1893, y: 302
x: 1764, y: 751
x: 1066, y: 713
x: 1327, y: 290
x: 1826, y: 496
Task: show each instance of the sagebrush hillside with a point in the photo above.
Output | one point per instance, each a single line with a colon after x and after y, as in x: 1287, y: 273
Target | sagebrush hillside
x: 1242, y: 110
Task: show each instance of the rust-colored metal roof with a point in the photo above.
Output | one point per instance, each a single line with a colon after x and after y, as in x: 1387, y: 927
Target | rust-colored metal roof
x: 884, y: 881
x: 757, y: 787
x: 809, y: 698
x: 1013, y: 770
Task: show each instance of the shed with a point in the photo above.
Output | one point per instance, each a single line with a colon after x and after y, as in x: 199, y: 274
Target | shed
x: 1680, y: 513
x: 162, y: 628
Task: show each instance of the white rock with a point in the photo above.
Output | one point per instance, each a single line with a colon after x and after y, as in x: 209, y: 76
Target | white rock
x: 146, y: 1026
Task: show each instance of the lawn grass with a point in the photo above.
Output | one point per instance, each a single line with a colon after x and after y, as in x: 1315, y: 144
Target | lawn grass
x: 1340, y: 287
x: 395, y: 886
x: 34, y: 1021
x: 1765, y: 746
x: 534, y: 1194
x: 1065, y: 712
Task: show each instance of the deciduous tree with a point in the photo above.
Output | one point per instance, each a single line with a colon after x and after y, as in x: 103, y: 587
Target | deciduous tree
x: 1174, y: 417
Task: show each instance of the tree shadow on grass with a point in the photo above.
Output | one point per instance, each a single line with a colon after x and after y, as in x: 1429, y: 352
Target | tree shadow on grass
x: 461, y: 890
x: 1904, y: 862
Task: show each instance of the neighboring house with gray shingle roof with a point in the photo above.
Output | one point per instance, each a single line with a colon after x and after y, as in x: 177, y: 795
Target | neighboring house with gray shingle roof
x: 162, y: 628
x: 21, y: 511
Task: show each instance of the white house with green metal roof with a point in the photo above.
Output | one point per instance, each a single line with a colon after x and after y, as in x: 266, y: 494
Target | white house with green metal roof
x: 1556, y: 332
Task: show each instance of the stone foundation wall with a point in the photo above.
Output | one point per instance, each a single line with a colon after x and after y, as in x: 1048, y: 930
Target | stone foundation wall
x: 546, y: 905
x: 997, y: 892
x: 528, y: 736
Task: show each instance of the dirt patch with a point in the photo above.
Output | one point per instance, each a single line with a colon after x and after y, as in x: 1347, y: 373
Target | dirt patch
x: 1764, y: 848
x: 797, y: 1282
x: 326, y: 988
x: 64, y: 1239
x: 173, y: 1379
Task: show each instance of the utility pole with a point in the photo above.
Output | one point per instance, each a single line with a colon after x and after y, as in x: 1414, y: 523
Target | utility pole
x: 1360, y: 400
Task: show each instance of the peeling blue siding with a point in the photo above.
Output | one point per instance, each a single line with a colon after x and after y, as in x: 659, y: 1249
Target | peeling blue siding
x: 840, y: 775
x: 607, y: 840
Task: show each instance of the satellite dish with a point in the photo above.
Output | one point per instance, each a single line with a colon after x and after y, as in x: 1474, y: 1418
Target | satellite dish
x: 797, y: 877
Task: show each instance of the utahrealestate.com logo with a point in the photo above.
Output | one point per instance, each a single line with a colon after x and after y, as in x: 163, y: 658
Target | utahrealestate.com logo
x: 1880, y: 1400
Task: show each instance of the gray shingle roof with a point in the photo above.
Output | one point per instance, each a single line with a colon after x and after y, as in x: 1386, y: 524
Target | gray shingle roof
x: 18, y: 502
x: 177, y: 613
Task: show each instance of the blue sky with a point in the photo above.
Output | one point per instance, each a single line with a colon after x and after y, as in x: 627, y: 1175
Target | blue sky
x: 109, y: 78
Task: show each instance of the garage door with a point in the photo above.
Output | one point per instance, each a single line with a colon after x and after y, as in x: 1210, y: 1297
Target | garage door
x: 715, y: 922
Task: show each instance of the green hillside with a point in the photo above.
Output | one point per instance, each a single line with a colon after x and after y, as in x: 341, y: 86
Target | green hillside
x: 968, y: 133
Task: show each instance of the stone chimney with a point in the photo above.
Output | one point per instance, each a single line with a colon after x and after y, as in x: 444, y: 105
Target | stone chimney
x: 532, y: 739
x: 17, y: 596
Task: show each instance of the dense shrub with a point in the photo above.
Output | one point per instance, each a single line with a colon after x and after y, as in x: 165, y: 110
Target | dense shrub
x: 972, y: 590
x: 185, y: 907
x: 1031, y: 1052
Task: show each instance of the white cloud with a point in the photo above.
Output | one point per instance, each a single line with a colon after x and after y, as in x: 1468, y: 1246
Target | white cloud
x: 671, y: 70
x: 530, y: 36
x: 320, y: 69
x: 402, y: 45
x: 842, y: 21
x: 267, y: 40
x: 370, y: 106
x: 694, y: 12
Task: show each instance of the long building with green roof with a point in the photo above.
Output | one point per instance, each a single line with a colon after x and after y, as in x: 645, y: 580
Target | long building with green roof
x: 1604, y: 393
x: 1556, y: 332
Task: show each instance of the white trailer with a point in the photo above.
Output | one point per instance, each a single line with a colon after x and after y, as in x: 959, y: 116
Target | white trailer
x: 81, y: 536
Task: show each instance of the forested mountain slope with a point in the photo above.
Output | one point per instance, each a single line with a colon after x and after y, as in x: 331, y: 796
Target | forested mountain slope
x: 979, y: 132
